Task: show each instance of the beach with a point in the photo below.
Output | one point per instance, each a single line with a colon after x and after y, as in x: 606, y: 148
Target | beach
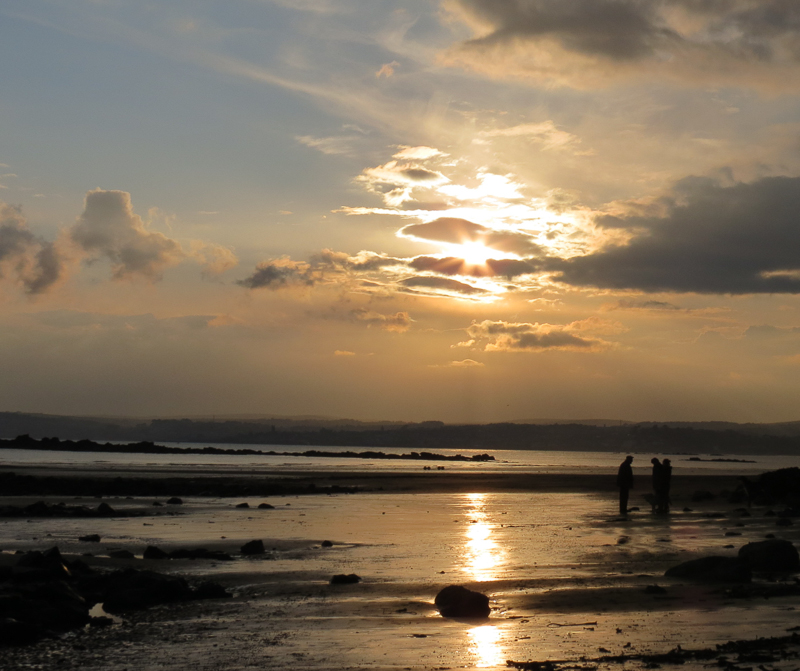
x: 568, y: 579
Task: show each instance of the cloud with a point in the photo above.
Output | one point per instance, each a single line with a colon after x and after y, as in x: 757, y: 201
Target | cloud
x: 279, y: 274
x: 387, y: 70
x: 399, y: 322
x: 109, y: 228
x: 501, y: 336
x: 30, y: 260
x: 417, y: 153
x: 626, y: 304
x: 455, y: 231
x: 442, y: 285
x: 337, y: 144
x: 466, y: 363
x: 589, y: 43
x: 707, y: 238
x: 452, y: 265
x: 544, y: 132
x: 343, y: 352
x: 213, y: 259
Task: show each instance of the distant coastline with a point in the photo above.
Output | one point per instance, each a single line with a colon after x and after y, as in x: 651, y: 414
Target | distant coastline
x: 144, y: 447
x: 700, y: 438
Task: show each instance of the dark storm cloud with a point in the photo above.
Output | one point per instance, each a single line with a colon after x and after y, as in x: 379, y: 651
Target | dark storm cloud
x: 442, y: 283
x: 626, y: 304
x: 613, y: 28
x: 276, y: 275
x: 34, y: 261
x: 713, y: 239
x: 589, y: 42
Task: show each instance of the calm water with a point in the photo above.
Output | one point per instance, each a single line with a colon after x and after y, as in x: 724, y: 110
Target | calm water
x: 506, y: 460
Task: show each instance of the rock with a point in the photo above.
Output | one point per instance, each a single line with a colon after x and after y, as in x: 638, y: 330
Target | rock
x: 158, y: 504
x: 105, y: 510
x: 265, y: 506
x: 243, y: 505
x: 100, y: 622
x: 342, y: 579
x: 712, y: 569
x: 152, y: 552
x: 654, y: 589
x: 458, y: 601
x: 253, y: 548
x: 121, y: 554
x: 327, y: 544
x: 175, y: 501
x: 770, y: 555
x: 91, y: 538
x: 210, y: 590
x: 133, y: 590
x: 46, y: 565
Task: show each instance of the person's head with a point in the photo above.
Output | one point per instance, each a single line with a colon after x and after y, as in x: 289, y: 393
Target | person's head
x: 655, y: 461
x: 667, y: 462
x: 628, y: 459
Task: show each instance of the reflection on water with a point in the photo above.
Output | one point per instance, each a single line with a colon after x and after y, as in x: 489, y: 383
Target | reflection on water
x: 482, y: 556
x: 484, y: 644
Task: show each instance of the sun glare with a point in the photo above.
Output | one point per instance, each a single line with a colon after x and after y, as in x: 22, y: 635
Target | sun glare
x: 474, y: 253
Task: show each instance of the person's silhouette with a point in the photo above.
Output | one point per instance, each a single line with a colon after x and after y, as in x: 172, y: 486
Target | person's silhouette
x: 625, y: 483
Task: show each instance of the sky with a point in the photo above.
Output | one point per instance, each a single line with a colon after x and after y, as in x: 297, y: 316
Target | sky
x: 456, y: 210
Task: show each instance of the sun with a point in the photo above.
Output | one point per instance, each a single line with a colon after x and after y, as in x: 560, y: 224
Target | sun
x: 473, y: 253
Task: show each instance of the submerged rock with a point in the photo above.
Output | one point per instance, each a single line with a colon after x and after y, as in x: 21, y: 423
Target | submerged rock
x: 458, y: 601
x: 90, y: 538
x: 770, y: 555
x: 712, y: 569
x: 343, y: 579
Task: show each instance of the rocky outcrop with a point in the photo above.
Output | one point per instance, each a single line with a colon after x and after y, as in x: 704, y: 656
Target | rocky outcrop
x: 712, y: 569
x: 770, y: 555
x: 458, y: 601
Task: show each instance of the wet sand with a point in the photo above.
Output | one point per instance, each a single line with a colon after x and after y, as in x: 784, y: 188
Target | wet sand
x: 566, y: 576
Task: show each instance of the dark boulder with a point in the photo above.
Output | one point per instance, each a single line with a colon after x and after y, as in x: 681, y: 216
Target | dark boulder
x: 175, y: 501
x: 770, y: 555
x: 255, y: 547
x: 458, y: 601
x: 243, y: 505
x: 327, y: 544
x: 105, y: 510
x: 133, y: 590
x: 712, y: 569
x: 210, y: 590
x: 152, y: 552
x: 345, y: 579
x: 265, y: 506
x: 49, y: 564
x: 91, y: 538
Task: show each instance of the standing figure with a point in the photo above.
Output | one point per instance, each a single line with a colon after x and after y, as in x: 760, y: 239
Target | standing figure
x: 625, y: 483
x: 666, y: 480
x: 658, y: 485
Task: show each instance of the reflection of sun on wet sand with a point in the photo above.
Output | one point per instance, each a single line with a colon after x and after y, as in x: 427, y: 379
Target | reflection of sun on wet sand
x: 566, y: 576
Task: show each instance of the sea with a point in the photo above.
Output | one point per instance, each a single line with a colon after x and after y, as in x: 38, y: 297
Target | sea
x: 505, y: 461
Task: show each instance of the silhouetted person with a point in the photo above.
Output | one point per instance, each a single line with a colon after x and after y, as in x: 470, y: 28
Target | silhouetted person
x: 658, y: 485
x: 625, y: 483
x: 666, y: 481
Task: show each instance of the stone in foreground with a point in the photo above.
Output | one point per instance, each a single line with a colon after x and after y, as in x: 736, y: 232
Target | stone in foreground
x: 458, y: 601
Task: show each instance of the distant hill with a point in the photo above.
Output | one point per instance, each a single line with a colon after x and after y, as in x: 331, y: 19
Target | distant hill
x: 585, y: 435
